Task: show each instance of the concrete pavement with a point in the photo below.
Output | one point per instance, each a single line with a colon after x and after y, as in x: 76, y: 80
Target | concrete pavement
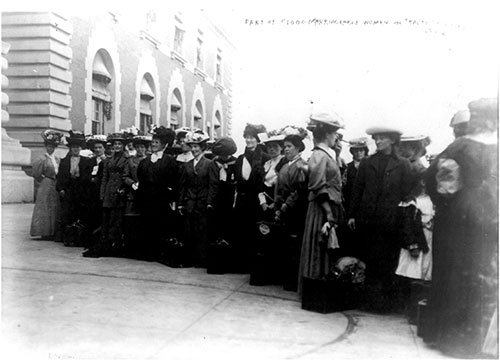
x: 59, y: 305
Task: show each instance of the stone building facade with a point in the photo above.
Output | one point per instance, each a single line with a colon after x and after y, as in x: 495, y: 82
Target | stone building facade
x: 101, y: 73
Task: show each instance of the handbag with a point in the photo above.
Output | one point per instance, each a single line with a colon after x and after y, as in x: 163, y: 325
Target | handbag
x: 74, y: 234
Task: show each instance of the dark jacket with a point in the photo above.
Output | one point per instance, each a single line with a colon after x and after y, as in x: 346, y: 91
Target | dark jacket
x: 112, y: 192
x: 347, y: 187
x: 198, y: 184
x: 64, y: 180
x: 375, y: 200
x: 158, y: 182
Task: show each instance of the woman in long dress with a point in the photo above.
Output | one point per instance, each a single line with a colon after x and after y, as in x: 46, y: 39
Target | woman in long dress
x: 463, y: 184
x: 45, y: 168
x: 198, y: 190
x: 324, y: 211
x: 290, y: 202
x: 249, y: 175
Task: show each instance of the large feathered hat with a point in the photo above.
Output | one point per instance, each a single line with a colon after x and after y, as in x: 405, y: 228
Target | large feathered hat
x: 95, y: 139
x: 197, y: 137
x: 165, y: 135
x: 52, y: 137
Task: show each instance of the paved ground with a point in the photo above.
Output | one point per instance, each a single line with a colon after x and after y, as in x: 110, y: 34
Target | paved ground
x: 59, y: 305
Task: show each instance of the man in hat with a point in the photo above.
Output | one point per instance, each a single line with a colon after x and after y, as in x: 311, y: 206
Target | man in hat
x: 73, y: 181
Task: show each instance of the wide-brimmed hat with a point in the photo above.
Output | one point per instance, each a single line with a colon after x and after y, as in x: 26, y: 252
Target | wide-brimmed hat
x: 197, y: 137
x: 460, y: 117
x: 255, y: 130
x: 94, y: 139
x: 75, y: 138
x: 224, y: 146
x: 329, y: 119
x: 142, y: 139
x: 274, y: 139
x: 130, y: 133
x: 384, y: 129
x: 181, y: 132
x: 358, y: 143
x: 424, y: 139
x: 52, y: 137
x: 116, y: 136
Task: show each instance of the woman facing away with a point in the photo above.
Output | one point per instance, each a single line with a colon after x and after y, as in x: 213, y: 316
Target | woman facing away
x: 46, y: 212
x: 463, y: 184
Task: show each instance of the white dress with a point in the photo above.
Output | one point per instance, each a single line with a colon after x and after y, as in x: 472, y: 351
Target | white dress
x: 420, y: 267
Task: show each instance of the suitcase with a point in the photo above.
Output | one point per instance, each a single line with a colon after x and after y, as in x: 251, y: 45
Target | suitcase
x: 418, y: 292
x: 217, y: 257
x: 421, y: 318
x: 266, y: 261
x: 330, y: 295
x: 74, y: 234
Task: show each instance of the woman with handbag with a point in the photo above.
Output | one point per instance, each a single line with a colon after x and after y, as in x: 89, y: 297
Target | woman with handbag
x: 324, y: 211
x: 46, y: 212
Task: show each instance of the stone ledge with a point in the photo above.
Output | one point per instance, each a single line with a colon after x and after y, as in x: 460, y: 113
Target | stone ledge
x: 38, y: 109
x: 39, y: 84
x: 38, y: 57
x: 41, y: 44
x: 29, y: 31
x: 37, y: 18
x: 39, y: 70
x: 43, y: 96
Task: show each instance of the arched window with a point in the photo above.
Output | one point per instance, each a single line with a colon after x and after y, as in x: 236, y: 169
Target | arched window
x: 217, y: 124
x: 147, y: 106
x: 102, y: 70
x: 175, y: 107
x: 198, y: 115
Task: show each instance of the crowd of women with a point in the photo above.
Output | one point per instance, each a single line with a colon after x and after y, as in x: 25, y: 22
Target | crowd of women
x: 174, y: 195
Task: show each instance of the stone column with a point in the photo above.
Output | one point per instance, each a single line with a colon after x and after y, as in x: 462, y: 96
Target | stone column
x: 16, y: 185
x: 39, y: 76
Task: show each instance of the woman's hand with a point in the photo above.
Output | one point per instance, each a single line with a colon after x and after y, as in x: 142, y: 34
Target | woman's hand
x: 414, y: 250
x: 264, y: 207
x: 351, y: 223
x: 62, y: 193
x: 325, y: 230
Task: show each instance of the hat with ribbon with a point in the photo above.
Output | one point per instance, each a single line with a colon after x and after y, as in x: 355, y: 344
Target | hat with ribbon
x: 95, y: 139
x: 165, y: 135
x: 332, y: 120
x: 197, y: 137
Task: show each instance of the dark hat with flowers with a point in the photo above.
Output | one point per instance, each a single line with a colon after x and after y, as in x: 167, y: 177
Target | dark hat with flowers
x: 165, y: 135
x: 75, y: 138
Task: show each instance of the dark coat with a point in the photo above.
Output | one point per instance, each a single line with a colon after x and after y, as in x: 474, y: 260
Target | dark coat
x: 112, y: 192
x: 76, y: 201
x: 64, y: 181
x: 375, y: 203
x: 347, y: 187
x: 198, y: 185
x: 158, y: 183
x: 464, y: 290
